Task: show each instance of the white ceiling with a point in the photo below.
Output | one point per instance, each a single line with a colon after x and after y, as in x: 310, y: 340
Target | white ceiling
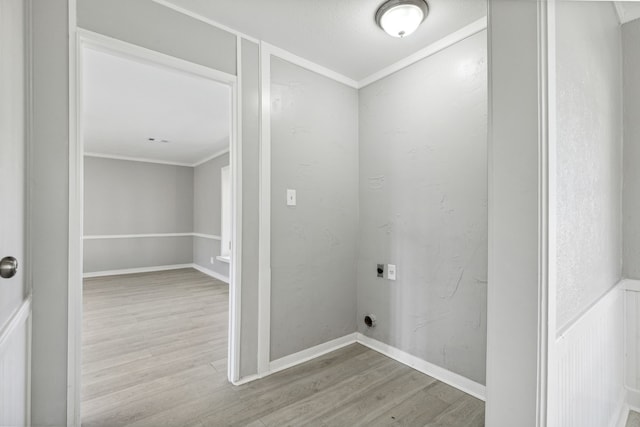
x: 338, y: 34
x: 628, y: 10
x: 126, y: 102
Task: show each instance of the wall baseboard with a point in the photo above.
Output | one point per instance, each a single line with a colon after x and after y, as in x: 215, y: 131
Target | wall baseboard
x: 135, y: 270
x: 310, y: 353
x: 154, y: 269
x: 211, y: 273
x: 455, y: 380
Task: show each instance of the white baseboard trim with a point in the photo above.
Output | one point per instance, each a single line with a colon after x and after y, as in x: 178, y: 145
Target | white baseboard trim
x: 211, y: 273
x: 135, y: 270
x: 246, y: 380
x: 633, y: 399
x: 310, y: 353
x: 622, y: 413
x: 455, y: 380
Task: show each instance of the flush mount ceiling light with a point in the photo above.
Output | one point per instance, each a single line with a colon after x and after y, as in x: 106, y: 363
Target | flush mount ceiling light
x: 399, y: 18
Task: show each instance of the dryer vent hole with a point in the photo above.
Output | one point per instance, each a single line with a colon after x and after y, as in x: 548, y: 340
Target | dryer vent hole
x: 370, y: 321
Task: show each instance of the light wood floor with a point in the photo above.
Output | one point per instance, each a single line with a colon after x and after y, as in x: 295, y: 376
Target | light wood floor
x: 154, y: 354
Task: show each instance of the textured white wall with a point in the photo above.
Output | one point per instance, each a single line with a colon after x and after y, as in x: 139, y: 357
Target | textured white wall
x: 631, y: 186
x: 127, y: 197
x: 423, y: 207
x: 314, y: 131
x: 589, y: 155
x: 590, y: 315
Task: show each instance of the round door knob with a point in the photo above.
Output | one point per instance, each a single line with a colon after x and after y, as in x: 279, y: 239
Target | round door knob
x: 8, y: 267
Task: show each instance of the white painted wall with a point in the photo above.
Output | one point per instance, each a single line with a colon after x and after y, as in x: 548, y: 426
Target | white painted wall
x: 156, y: 27
x: 631, y: 187
x: 513, y: 272
x: 590, y: 311
x: 423, y: 207
x: 15, y: 298
x: 631, y: 205
x: 589, y: 150
x: 314, y: 132
x: 250, y: 60
x: 48, y: 210
x: 124, y: 197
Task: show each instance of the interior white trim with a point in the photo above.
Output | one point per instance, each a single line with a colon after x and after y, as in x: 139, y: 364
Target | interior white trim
x: 309, y: 65
x: 546, y: 364
x: 441, y: 374
x: 137, y: 53
x: 156, y: 161
x: 246, y: 380
x: 633, y: 399
x: 206, y: 236
x: 632, y: 285
x: 76, y: 221
x: 206, y: 20
x: 455, y: 380
x: 587, y: 311
x: 224, y: 259
x: 619, y: 11
x: 149, y: 235
x: 235, y: 267
x: 134, y: 236
x: 620, y: 419
x: 445, y: 42
x: 216, y: 155
x: 157, y: 268
x: 211, y: 273
x: 135, y: 159
x: 311, y: 353
x: 135, y: 270
x: 20, y: 316
x: 264, y: 233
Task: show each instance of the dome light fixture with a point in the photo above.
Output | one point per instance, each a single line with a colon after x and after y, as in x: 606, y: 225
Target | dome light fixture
x: 399, y: 18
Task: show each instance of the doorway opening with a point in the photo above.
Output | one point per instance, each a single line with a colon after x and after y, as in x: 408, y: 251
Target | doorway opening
x: 158, y: 200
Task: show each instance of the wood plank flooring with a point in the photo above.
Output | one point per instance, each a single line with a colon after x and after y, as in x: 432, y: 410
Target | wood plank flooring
x: 154, y: 354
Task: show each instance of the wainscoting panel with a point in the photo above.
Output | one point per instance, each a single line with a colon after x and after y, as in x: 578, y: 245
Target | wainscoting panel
x: 590, y: 363
x: 14, y: 368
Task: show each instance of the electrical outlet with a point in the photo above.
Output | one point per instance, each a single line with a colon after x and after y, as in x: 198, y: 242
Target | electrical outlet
x: 380, y: 270
x: 212, y: 260
x: 391, y: 271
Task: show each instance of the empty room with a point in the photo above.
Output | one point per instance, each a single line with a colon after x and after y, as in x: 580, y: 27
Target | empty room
x: 157, y: 229
x: 319, y: 213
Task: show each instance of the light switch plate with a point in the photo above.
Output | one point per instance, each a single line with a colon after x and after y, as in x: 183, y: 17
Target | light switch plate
x: 291, y: 197
x: 391, y: 271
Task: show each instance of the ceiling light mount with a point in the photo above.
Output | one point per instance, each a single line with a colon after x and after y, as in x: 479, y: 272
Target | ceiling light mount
x: 399, y: 18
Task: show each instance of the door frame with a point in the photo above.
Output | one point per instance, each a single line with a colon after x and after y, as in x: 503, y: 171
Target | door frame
x: 79, y: 40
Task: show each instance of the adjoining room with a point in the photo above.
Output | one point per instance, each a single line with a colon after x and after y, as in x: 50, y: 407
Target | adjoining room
x: 157, y: 231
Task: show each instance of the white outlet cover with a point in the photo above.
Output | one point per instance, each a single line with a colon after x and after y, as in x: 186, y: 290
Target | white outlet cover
x: 391, y: 271
x: 212, y: 261
x: 291, y: 197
